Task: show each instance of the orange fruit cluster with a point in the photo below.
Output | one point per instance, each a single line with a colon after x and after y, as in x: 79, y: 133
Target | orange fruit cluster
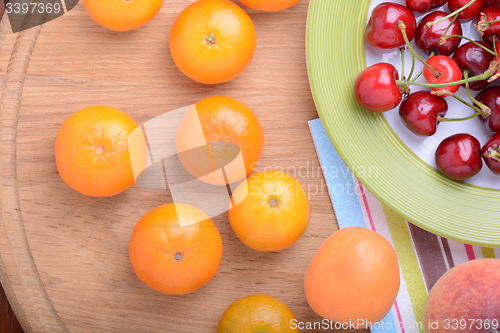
x: 176, y: 248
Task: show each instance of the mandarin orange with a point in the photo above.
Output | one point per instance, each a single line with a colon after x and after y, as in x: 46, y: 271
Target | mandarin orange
x: 269, y: 5
x: 96, y: 153
x: 213, y: 120
x: 175, y: 249
x: 212, y: 41
x: 257, y: 313
x: 272, y: 211
x: 122, y: 15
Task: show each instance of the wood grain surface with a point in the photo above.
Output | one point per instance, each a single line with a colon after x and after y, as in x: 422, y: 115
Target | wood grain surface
x: 64, y: 263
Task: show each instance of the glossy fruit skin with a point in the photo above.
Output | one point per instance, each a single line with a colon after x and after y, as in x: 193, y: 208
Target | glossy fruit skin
x: 223, y: 119
x: 354, y: 266
x: 375, y: 88
x: 492, y: 13
x: 449, y: 70
x: 257, y: 313
x: 472, y: 282
x: 491, y: 98
x: 269, y: 5
x: 459, y: 156
x: 175, y: 249
x: 476, y: 60
x: 232, y: 32
x: 382, y: 30
x: 419, y: 112
x: 119, y: 15
x: 428, y: 39
x: 468, y: 13
x: 423, y: 6
x: 96, y: 154
x: 492, y: 163
x: 265, y: 227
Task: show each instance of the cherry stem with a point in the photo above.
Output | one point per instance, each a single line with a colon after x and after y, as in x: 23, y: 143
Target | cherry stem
x: 403, y: 61
x: 484, y: 108
x: 456, y: 12
x: 402, y: 26
x: 443, y: 119
x: 490, y: 22
x: 420, y: 73
x: 493, y: 152
x: 472, y: 41
x: 466, y: 103
x: 494, y: 45
x: 479, y: 77
x: 412, y: 66
x: 449, y: 26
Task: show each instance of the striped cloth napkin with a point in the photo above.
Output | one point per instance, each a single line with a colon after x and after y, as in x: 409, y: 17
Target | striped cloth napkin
x: 423, y: 257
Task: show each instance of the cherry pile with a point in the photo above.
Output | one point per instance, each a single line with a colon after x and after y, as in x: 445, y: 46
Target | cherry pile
x: 474, y: 65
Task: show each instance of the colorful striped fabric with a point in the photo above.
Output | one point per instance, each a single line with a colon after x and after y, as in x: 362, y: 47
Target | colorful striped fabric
x: 423, y: 257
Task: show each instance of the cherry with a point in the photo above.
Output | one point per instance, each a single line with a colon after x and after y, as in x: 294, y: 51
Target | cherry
x: 449, y: 72
x: 420, y: 110
x: 423, y: 6
x: 427, y: 39
x: 459, y: 157
x: 375, y: 88
x: 491, y: 98
x: 476, y: 60
x: 382, y: 30
x: 491, y: 13
x: 468, y: 13
x: 491, y: 153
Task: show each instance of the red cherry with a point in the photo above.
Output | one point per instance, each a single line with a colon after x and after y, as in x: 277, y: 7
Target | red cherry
x: 491, y: 148
x: 375, y: 88
x: 468, y: 13
x: 491, y: 98
x: 492, y: 13
x: 382, y: 30
x: 459, y: 156
x: 476, y: 60
x: 428, y: 39
x: 450, y: 72
x: 423, y: 6
x: 420, y: 110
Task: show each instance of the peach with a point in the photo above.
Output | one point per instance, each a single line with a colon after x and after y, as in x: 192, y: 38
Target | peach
x: 465, y: 299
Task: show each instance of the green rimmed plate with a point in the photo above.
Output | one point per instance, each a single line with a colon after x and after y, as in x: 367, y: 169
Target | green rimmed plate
x: 365, y: 141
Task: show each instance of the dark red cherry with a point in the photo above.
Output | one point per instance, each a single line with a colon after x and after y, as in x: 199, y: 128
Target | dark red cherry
x: 382, y: 30
x: 493, y: 2
x: 492, y: 13
x: 491, y: 149
x: 428, y: 39
x: 420, y: 110
x: 423, y: 6
x: 468, y: 13
x: 476, y: 60
x: 375, y: 88
x: 491, y: 98
x: 449, y: 70
x: 459, y: 156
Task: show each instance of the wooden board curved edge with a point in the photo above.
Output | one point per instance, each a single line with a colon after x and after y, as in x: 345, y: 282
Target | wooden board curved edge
x: 18, y: 273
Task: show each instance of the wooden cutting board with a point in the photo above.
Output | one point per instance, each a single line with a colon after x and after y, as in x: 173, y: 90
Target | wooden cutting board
x: 64, y: 257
